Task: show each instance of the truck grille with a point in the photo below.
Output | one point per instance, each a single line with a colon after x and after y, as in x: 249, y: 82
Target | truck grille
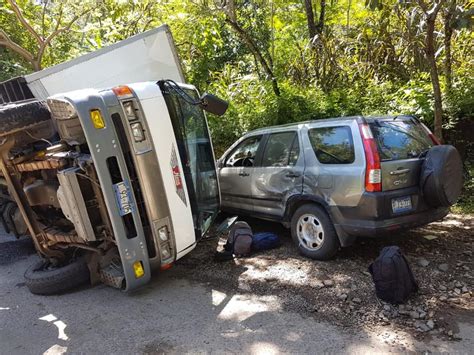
x: 134, y: 182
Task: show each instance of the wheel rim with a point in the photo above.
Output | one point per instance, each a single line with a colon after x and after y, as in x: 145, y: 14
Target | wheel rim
x: 310, y: 232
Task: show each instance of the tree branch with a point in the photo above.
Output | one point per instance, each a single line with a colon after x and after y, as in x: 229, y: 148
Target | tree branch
x: 57, y: 31
x: 8, y: 43
x: 24, y: 22
x: 252, y: 46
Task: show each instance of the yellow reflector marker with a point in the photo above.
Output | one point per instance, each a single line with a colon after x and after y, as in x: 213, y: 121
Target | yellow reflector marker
x: 138, y: 269
x: 97, y: 119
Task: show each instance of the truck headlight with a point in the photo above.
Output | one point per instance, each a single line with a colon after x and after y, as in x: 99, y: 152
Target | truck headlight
x: 165, y: 252
x: 163, y: 234
x: 129, y: 109
x: 137, y: 132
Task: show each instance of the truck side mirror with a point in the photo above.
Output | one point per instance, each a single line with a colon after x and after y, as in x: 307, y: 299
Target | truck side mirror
x: 213, y: 104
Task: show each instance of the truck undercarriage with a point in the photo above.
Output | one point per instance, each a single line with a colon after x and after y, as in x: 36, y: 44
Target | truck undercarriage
x: 55, y: 186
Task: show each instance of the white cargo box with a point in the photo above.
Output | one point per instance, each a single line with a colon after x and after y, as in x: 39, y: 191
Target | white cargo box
x: 145, y: 57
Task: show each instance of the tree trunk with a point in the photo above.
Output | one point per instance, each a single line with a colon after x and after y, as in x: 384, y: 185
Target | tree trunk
x: 430, y: 57
x: 252, y: 46
x: 308, y: 4
x: 448, y: 34
x: 322, y: 15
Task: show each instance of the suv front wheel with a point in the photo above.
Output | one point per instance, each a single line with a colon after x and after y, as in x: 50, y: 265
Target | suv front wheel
x: 313, y: 232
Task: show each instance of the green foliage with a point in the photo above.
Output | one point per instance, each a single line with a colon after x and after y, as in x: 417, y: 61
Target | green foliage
x: 368, y: 58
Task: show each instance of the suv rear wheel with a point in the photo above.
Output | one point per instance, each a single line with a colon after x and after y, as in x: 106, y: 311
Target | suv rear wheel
x: 313, y: 232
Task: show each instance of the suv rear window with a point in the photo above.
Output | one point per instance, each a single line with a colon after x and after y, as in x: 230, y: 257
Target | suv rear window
x: 399, y: 139
x: 333, y: 145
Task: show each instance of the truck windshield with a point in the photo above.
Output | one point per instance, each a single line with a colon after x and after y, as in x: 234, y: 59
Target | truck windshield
x: 197, y: 158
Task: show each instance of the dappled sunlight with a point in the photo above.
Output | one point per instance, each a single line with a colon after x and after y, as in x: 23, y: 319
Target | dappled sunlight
x: 263, y: 347
x: 217, y: 297
x: 56, y: 350
x: 58, y: 323
x: 240, y: 308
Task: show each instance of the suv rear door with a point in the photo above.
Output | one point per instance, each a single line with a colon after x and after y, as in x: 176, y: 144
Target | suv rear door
x: 279, y: 175
x: 401, y: 143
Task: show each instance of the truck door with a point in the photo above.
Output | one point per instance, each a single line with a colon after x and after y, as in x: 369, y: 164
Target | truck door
x: 280, y: 174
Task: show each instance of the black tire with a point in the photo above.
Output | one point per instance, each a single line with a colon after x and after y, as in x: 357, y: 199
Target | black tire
x: 441, y: 177
x: 42, y: 280
x: 330, y: 242
x: 18, y: 116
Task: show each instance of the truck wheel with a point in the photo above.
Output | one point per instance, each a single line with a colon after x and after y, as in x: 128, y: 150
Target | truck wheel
x: 42, y: 278
x: 313, y: 233
x: 18, y: 116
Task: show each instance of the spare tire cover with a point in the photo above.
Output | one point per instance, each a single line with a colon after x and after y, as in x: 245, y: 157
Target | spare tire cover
x: 442, y: 176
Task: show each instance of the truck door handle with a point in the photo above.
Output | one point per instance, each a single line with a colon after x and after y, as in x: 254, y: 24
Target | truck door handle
x: 244, y: 174
x: 292, y: 175
x: 399, y: 172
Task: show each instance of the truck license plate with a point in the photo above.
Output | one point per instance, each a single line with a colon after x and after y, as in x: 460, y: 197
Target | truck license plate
x: 123, y: 197
x: 401, y: 204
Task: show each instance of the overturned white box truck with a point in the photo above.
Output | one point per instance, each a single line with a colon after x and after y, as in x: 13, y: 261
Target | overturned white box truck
x: 110, y: 162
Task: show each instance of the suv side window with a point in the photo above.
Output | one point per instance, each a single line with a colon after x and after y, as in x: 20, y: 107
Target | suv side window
x: 333, y: 145
x: 244, y: 154
x: 280, y: 150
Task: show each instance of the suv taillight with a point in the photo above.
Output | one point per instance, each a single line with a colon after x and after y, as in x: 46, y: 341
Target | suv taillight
x: 430, y: 134
x: 373, y: 173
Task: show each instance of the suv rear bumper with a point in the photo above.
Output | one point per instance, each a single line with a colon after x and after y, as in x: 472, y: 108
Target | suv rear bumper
x: 365, y: 228
x: 373, y: 216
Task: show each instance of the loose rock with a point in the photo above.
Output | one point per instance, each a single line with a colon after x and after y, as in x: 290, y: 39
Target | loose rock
x: 414, y: 314
x: 423, y: 262
x: 342, y: 297
x: 356, y: 300
x: 430, y: 324
x: 443, y: 267
x: 328, y: 283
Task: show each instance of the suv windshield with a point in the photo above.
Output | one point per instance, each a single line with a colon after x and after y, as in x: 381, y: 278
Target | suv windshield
x: 197, y: 158
x: 399, y: 139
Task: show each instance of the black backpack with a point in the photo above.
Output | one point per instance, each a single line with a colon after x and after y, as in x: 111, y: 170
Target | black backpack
x: 393, y: 278
x: 240, y: 239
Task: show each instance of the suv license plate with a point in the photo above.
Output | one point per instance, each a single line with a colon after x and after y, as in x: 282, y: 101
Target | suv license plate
x: 123, y: 197
x: 401, y: 204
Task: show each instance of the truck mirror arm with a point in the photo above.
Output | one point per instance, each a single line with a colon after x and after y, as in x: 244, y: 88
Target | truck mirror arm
x: 207, y: 102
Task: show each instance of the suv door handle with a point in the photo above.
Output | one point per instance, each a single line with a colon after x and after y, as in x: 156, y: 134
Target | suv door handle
x: 399, y: 172
x: 244, y: 174
x: 292, y: 175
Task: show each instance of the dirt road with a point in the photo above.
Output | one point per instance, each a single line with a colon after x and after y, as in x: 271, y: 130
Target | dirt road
x: 274, y: 302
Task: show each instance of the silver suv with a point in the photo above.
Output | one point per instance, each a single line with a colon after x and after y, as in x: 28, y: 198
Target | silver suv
x: 333, y: 180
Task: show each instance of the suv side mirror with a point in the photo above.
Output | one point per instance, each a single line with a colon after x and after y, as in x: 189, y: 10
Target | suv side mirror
x: 213, y: 104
